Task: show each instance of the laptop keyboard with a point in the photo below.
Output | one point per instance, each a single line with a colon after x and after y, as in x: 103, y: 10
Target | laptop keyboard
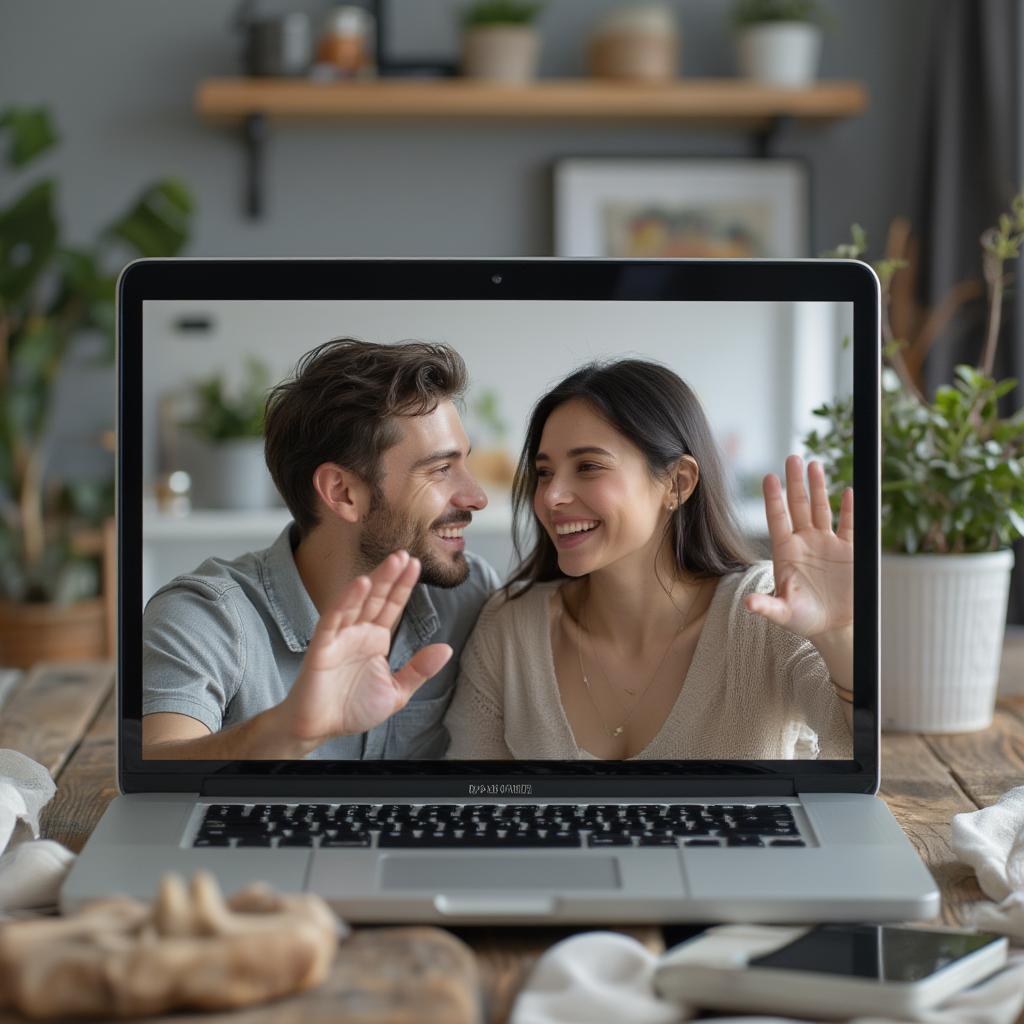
x: 505, y: 826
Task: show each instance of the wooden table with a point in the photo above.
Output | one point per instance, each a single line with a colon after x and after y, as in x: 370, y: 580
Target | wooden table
x: 64, y: 717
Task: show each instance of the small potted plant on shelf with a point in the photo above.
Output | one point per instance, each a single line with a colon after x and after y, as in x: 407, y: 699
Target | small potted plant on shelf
x: 490, y: 460
x: 500, y: 41
x: 56, y: 301
x: 226, y: 463
x: 778, y: 42
x: 952, y: 504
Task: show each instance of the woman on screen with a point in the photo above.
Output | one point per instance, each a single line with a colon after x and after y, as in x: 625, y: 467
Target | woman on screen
x: 639, y: 625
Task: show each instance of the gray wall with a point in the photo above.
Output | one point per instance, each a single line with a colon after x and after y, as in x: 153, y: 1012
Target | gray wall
x: 119, y: 77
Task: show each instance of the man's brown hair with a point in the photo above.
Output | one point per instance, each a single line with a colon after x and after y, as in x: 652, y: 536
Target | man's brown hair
x: 339, y: 406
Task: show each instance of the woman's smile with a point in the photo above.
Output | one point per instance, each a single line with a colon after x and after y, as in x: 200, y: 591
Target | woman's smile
x: 570, y: 533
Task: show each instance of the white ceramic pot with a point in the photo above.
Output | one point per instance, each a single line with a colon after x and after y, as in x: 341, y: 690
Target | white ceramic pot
x: 230, y: 474
x: 500, y: 53
x: 779, y: 52
x: 943, y: 623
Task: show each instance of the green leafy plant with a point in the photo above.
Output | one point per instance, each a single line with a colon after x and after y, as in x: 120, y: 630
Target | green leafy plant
x: 225, y: 415
x: 757, y: 12
x: 952, y: 467
x: 51, y: 296
x: 501, y: 12
x: 487, y: 410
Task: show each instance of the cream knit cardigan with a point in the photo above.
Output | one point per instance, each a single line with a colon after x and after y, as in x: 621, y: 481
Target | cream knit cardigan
x: 753, y: 690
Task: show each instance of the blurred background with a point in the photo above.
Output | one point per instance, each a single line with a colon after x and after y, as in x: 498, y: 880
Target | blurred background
x: 446, y: 128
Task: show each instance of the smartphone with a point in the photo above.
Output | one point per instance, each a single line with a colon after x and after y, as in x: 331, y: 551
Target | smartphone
x: 829, y: 971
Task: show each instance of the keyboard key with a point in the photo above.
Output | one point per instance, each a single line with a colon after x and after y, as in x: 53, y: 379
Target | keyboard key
x: 744, y: 841
x: 299, y: 840
x: 213, y: 841
x: 701, y: 842
x: 254, y: 841
x: 787, y: 842
x: 649, y: 840
x: 610, y: 839
x: 227, y: 811
x: 239, y: 829
x: 347, y: 841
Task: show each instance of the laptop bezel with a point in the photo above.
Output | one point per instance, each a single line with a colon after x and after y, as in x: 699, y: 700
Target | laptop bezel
x: 504, y: 279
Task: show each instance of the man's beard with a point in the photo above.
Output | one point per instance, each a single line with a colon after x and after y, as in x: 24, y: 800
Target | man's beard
x: 386, y: 530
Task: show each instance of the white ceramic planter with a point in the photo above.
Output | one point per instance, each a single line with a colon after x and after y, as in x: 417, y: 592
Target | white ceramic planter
x: 943, y: 623
x: 230, y: 474
x: 500, y: 53
x: 779, y: 52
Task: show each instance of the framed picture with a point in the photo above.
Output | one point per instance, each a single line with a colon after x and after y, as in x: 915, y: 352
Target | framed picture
x: 681, y: 207
x: 417, y: 38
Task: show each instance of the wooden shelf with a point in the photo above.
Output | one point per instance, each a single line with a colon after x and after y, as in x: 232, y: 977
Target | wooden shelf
x: 717, y: 102
x: 723, y: 100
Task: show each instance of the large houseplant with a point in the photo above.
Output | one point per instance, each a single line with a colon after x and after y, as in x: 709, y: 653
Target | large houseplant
x: 53, y: 296
x: 952, y: 503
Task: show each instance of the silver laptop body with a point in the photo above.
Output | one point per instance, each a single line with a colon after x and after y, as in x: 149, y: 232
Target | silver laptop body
x: 827, y: 848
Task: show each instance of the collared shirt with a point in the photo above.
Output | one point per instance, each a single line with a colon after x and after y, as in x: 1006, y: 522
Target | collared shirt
x: 225, y: 642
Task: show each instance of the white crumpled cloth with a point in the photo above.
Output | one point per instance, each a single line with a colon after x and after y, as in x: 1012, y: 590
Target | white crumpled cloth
x: 992, y: 842
x: 607, y: 978
x: 31, y: 874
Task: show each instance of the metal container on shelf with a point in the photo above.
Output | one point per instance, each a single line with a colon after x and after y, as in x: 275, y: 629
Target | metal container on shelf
x: 275, y: 46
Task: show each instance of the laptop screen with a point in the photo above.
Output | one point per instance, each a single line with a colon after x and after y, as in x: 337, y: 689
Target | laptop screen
x: 624, y: 529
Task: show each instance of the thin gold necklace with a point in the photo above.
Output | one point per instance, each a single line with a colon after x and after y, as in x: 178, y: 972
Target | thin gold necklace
x: 618, y: 730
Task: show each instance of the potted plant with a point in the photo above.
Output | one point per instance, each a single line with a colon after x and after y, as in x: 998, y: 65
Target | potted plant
x: 952, y: 503
x: 500, y: 41
x: 490, y: 460
x: 227, y: 465
x: 54, y: 299
x: 778, y: 42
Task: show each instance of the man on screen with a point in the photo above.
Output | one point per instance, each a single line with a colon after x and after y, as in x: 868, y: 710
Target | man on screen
x: 241, y: 658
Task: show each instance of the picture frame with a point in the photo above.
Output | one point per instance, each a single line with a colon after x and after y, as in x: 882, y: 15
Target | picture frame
x: 436, y: 20
x: 681, y: 207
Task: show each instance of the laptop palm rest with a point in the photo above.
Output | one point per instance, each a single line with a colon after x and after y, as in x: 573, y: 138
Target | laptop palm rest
x: 491, y: 873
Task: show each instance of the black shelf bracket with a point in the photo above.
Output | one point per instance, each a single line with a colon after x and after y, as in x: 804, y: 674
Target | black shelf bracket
x: 255, y: 131
x: 254, y: 138
x: 765, y: 138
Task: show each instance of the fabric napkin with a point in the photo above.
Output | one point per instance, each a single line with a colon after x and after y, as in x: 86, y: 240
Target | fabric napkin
x: 31, y: 873
x: 992, y: 842
x: 607, y: 978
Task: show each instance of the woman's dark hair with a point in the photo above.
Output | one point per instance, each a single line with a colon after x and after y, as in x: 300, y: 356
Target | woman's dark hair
x: 658, y: 412
x: 339, y: 406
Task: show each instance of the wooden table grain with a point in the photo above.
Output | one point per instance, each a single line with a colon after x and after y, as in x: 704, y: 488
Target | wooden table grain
x: 64, y: 717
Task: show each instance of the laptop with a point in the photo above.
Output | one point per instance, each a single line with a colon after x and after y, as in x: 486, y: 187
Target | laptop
x: 707, y: 828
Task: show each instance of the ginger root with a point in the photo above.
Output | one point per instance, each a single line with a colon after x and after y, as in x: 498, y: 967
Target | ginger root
x: 192, y: 950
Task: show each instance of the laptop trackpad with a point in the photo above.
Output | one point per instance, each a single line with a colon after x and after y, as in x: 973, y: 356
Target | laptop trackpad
x: 490, y: 872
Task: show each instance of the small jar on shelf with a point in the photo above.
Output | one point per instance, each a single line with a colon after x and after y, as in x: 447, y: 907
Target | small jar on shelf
x: 347, y: 44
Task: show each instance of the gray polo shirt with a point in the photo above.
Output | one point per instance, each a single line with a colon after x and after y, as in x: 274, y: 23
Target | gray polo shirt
x: 226, y: 642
